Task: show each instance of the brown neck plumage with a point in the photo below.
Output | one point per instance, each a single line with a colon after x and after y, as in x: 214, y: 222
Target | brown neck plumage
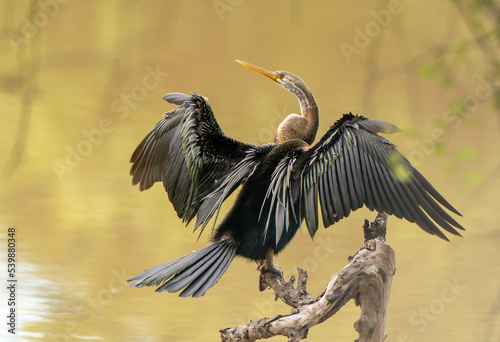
x: 305, y: 126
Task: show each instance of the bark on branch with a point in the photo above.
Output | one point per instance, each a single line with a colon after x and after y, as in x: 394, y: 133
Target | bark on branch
x: 367, y: 279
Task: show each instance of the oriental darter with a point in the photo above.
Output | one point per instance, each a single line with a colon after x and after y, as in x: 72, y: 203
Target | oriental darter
x: 282, y: 183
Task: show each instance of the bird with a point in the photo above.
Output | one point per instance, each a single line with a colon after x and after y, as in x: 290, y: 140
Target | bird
x: 283, y: 184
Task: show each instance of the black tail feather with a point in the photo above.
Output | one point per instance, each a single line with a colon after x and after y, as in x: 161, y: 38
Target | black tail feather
x: 201, y: 284
x: 195, y: 273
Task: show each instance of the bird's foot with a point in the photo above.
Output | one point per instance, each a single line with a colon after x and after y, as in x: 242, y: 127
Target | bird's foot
x: 260, y: 265
x: 276, y: 269
x: 266, y: 269
x: 265, y: 266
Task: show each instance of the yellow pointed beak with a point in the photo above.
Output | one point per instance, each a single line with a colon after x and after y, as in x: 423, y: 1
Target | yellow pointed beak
x: 272, y: 75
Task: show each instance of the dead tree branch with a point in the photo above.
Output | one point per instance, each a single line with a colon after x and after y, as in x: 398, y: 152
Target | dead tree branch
x: 366, y: 279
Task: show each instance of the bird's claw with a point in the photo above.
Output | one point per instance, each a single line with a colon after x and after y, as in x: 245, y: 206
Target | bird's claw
x: 276, y: 269
x: 260, y: 265
x: 264, y: 267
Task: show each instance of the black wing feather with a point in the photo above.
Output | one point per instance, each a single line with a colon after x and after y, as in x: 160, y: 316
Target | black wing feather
x: 352, y: 166
x: 189, y: 153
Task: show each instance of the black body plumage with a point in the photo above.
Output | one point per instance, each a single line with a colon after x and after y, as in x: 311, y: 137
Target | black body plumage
x: 283, y: 185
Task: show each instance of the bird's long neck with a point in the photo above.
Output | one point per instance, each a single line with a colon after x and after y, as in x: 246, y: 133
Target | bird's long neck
x: 306, y: 125
x: 308, y: 108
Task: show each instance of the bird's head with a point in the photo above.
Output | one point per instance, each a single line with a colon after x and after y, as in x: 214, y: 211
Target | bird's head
x: 303, y: 126
x: 285, y: 79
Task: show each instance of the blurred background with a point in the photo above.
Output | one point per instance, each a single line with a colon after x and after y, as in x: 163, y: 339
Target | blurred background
x: 81, y: 85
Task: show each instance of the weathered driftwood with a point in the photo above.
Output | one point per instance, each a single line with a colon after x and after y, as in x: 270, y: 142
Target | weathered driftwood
x: 366, y: 279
